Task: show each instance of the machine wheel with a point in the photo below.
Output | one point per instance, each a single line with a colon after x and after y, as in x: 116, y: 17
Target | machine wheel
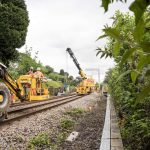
x: 5, y: 101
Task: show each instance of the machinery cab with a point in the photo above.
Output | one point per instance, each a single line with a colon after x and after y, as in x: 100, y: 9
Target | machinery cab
x: 86, y: 86
x: 33, y: 88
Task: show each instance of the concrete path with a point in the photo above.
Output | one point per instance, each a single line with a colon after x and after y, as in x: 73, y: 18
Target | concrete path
x: 111, y: 138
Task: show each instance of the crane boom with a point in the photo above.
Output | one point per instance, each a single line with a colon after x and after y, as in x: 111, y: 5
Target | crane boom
x: 82, y: 74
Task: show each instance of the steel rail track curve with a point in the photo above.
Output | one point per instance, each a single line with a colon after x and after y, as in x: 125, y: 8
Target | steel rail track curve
x: 33, y: 105
x: 19, y: 113
x: 32, y: 102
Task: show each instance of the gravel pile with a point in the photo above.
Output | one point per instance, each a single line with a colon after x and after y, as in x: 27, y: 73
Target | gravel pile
x: 17, y: 134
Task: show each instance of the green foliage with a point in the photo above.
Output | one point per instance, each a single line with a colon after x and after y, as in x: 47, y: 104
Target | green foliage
x: 134, y: 75
x: 75, y: 112
x: 61, y: 137
x: 106, y: 52
x: 42, y: 140
x: 67, y: 123
x: 105, y: 4
x: 13, y: 28
x: 54, y: 84
x: 62, y: 72
x: 48, y: 69
x: 57, y: 77
x: 129, y: 80
x: 23, y: 64
x: 129, y: 43
x: 145, y: 91
x: 139, y: 7
x: 127, y: 54
x: 112, y: 32
x: 134, y: 117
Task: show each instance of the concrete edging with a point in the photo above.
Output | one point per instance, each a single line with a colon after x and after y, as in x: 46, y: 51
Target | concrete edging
x: 105, y: 140
x: 111, y: 137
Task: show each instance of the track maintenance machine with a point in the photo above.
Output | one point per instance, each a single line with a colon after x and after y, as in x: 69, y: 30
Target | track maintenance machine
x: 87, y: 85
x: 26, y: 88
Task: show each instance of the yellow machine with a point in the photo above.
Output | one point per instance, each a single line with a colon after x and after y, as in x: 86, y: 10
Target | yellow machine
x: 33, y: 88
x: 27, y: 87
x: 87, y: 85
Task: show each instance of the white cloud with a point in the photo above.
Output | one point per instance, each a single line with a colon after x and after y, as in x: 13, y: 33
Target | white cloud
x: 56, y: 25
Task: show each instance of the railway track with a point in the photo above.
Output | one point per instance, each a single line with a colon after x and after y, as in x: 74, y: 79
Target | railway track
x: 33, y: 102
x: 21, y: 111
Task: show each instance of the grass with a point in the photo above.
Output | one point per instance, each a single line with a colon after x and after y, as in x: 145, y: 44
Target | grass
x: 75, y: 112
x: 61, y: 137
x: 67, y: 123
x: 54, y: 84
x: 41, y: 140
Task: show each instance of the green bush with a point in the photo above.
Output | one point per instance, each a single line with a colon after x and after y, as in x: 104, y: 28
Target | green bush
x: 129, y: 80
x: 75, y: 112
x: 67, y: 123
x: 42, y: 140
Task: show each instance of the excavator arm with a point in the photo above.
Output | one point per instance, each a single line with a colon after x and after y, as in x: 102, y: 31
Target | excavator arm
x: 81, y: 72
x: 10, y: 83
x: 5, y: 95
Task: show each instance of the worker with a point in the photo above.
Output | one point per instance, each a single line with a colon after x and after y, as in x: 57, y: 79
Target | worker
x: 30, y: 71
x: 38, y: 73
x: 39, y: 77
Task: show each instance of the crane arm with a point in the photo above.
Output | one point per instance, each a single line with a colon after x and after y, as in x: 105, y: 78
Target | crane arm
x: 81, y: 72
x: 8, y: 80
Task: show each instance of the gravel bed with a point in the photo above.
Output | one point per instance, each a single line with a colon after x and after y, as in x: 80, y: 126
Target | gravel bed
x: 16, y: 135
x: 89, y: 126
x: 38, y: 108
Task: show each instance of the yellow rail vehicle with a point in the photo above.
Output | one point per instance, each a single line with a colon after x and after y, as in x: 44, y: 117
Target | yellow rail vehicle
x: 33, y: 88
x: 27, y: 87
x: 87, y: 85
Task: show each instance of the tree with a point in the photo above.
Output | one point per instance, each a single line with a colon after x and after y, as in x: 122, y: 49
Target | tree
x: 48, y: 69
x: 23, y: 64
x: 70, y: 78
x: 62, y: 72
x: 13, y: 28
x: 66, y: 74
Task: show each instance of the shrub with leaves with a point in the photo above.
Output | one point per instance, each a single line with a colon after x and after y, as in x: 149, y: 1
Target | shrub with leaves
x: 129, y: 81
x: 42, y: 140
x: 67, y: 123
x: 13, y: 28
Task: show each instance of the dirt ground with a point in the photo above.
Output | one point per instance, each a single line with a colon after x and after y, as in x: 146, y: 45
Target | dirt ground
x: 90, y: 127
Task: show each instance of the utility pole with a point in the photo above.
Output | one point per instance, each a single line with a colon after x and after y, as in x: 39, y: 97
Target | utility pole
x: 95, y: 69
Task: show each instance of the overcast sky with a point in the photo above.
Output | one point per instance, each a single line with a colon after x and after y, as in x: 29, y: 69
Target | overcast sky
x: 58, y: 24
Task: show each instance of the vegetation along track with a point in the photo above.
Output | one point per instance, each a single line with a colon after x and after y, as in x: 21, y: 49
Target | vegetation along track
x: 18, y: 112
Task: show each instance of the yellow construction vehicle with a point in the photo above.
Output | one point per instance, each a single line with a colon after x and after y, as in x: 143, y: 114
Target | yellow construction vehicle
x: 87, y: 85
x: 27, y: 87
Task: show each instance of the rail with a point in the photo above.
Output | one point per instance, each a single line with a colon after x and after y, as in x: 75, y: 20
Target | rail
x: 18, y: 112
